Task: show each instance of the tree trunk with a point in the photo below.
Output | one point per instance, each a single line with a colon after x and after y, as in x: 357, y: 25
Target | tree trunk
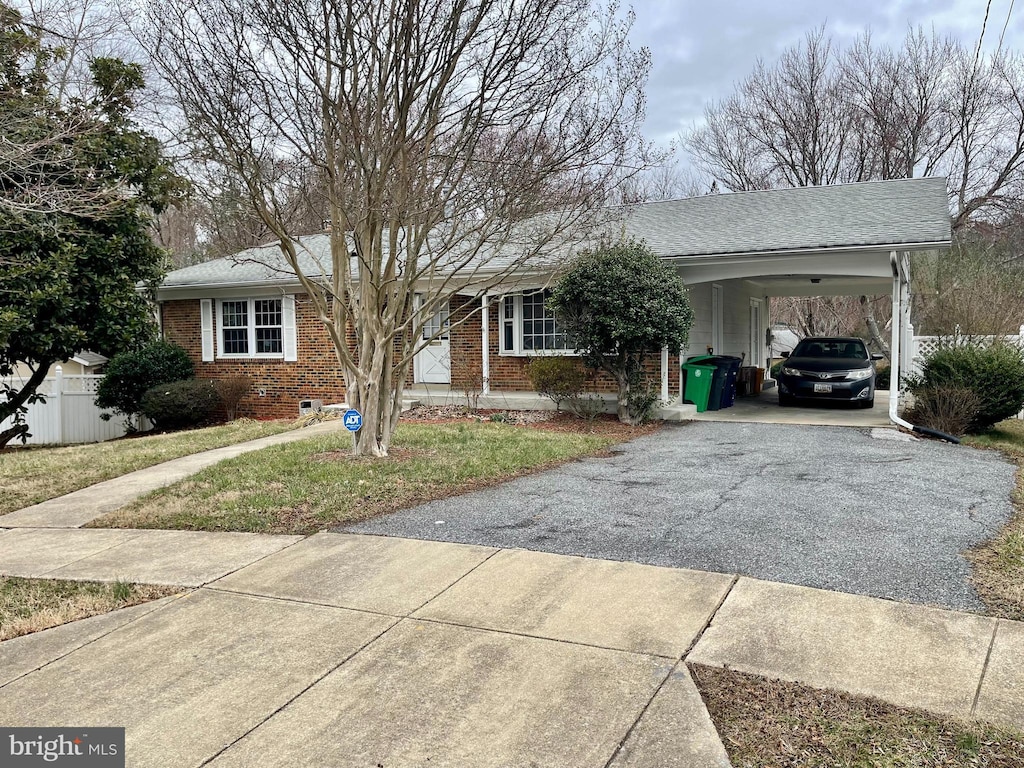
x: 872, y: 325
x: 12, y: 406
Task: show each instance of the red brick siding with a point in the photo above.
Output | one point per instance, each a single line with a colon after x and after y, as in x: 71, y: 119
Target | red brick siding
x: 508, y: 373
x: 316, y: 374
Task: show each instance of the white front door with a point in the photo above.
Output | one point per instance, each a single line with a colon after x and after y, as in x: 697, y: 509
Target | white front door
x: 434, y: 361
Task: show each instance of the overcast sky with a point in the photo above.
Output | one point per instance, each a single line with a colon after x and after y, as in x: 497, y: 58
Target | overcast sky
x: 700, y: 49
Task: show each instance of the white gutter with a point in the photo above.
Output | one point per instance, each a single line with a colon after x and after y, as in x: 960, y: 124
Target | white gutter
x: 923, y: 246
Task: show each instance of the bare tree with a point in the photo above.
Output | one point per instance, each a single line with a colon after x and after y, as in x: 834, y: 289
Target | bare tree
x: 456, y: 141
x: 819, y: 116
x: 787, y: 124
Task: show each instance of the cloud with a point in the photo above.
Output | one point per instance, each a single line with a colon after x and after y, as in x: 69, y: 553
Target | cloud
x: 700, y: 51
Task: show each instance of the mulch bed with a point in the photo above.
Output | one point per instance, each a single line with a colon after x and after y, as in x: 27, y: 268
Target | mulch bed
x: 552, y: 421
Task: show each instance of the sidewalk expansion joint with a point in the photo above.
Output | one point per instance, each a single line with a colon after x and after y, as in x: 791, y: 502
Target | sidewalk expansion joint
x: 639, y: 717
x: 984, y: 668
x: 298, y: 601
x: 711, y: 618
x: 432, y: 599
x: 46, y: 574
x: 167, y: 602
x: 315, y: 682
x: 545, y: 638
x: 259, y: 559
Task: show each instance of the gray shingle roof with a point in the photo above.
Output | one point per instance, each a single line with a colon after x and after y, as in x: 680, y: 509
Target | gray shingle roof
x: 900, y: 211
x: 904, y: 212
x: 263, y: 264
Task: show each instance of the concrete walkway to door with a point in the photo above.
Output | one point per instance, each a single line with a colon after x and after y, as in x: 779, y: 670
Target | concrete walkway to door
x: 765, y: 409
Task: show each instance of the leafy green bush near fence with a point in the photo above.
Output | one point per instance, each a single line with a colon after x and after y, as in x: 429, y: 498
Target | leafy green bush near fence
x: 995, y: 375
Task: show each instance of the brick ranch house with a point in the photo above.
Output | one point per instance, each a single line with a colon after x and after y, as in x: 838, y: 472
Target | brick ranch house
x: 736, y: 251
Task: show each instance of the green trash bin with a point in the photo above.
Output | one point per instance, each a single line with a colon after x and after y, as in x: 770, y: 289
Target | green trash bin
x: 697, y: 382
x: 719, y: 371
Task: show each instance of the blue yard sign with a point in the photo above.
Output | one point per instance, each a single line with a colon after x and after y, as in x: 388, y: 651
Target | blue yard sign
x: 353, y: 420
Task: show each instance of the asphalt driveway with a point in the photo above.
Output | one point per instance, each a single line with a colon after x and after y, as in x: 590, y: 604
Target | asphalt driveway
x: 829, y: 507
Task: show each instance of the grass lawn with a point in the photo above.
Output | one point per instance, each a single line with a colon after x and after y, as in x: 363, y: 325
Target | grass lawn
x: 29, y: 475
x: 314, y: 484
x: 770, y: 724
x: 999, y: 564
x: 32, y: 605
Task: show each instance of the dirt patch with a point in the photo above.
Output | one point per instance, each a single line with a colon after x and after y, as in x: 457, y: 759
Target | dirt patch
x: 773, y: 724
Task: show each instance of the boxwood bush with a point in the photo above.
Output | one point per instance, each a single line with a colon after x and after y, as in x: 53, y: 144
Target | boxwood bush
x: 181, y: 404
x: 129, y: 375
x: 994, y: 374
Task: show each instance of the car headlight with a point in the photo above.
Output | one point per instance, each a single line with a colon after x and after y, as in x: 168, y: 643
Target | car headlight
x: 791, y: 372
x: 862, y: 373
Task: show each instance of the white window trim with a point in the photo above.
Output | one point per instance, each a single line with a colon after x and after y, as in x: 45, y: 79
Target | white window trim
x: 517, y: 332
x: 251, y: 329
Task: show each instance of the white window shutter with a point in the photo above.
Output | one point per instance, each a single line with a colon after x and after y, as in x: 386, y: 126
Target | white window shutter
x: 206, y: 324
x: 291, y: 352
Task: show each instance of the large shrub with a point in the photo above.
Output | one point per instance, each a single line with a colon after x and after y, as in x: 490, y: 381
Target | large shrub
x: 618, y: 304
x: 181, y: 404
x: 556, y: 378
x: 994, y: 374
x: 129, y: 375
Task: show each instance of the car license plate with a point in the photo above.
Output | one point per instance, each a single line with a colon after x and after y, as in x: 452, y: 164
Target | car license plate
x: 822, y: 387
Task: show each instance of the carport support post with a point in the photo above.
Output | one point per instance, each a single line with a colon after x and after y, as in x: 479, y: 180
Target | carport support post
x: 897, y: 334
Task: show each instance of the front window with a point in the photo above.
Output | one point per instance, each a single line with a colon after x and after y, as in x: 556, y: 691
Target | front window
x: 251, y: 328
x: 235, y: 327
x: 528, y: 326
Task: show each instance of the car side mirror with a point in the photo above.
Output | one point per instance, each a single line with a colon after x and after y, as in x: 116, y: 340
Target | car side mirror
x: 877, y: 356
x: 784, y: 354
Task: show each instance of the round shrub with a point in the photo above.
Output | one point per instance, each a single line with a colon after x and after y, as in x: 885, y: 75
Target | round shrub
x: 994, y: 374
x: 129, y: 375
x: 181, y: 404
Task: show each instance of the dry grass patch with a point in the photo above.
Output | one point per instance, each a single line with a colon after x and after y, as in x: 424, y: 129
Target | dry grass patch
x: 315, y: 484
x: 29, y: 475
x: 998, y: 564
x: 32, y: 605
x: 772, y: 724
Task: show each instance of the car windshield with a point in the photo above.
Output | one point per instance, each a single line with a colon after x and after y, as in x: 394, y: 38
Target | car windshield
x: 846, y: 348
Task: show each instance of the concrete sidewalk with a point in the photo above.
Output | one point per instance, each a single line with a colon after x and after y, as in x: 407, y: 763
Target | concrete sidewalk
x: 350, y: 650
x: 78, y: 508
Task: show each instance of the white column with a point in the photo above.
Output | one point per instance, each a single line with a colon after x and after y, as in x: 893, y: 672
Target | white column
x: 58, y: 396
x: 664, y: 374
x: 485, y: 363
x: 894, y: 342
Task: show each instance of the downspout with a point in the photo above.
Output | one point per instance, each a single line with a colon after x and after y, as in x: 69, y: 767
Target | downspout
x: 899, y: 296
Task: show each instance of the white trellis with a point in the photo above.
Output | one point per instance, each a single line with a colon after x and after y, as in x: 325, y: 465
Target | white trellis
x: 925, y: 346
x: 69, y: 413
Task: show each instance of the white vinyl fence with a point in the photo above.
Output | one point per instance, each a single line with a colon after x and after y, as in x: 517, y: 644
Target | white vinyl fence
x: 69, y: 414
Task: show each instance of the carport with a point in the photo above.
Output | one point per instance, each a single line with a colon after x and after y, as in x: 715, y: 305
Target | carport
x: 739, y: 251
